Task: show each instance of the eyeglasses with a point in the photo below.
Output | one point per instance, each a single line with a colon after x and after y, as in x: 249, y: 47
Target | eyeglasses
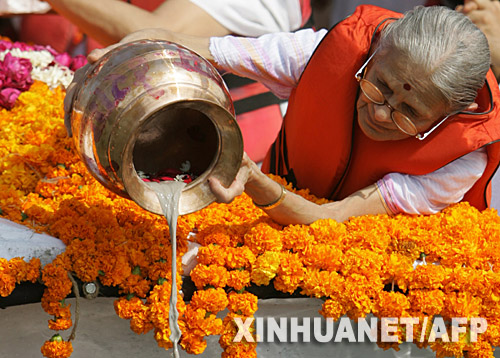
x: 400, y: 120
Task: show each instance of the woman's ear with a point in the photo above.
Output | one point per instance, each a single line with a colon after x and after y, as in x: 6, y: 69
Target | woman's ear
x: 472, y: 107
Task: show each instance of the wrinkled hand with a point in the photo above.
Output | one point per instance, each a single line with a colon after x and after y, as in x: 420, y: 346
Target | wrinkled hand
x: 486, y: 15
x: 237, y: 187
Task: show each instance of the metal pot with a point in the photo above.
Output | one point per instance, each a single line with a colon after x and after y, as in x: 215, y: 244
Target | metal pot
x: 151, y: 105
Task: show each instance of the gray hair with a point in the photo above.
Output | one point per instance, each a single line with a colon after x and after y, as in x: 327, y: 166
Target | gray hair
x: 451, y: 52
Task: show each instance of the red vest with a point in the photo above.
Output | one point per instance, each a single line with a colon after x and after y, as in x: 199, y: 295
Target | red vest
x: 321, y: 146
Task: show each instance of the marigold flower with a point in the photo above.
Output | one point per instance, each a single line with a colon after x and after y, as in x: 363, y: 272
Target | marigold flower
x: 213, y: 275
x: 60, y: 324
x: 290, y: 274
x: 213, y: 300
x: 391, y: 304
x: 56, y: 349
x: 262, y: 238
x: 238, y: 279
x: 265, y: 267
x: 244, y: 304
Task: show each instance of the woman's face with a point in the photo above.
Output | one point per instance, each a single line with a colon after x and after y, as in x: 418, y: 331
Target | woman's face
x: 406, y: 96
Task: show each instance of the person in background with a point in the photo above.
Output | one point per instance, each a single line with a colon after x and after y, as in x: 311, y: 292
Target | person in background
x: 259, y: 112
x: 486, y: 15
x: 387, y: 114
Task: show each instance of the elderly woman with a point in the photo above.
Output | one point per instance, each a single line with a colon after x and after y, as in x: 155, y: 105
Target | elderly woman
x: 387, y: 114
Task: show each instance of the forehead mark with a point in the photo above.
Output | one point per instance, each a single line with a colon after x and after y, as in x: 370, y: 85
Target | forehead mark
x: 407, y: 86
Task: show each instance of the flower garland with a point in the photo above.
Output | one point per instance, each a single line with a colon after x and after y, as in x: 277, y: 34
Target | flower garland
x: 362, y: 266
x: 20, y: 64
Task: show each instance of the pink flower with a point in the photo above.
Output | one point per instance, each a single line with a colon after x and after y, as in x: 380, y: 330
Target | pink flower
x: 8, y: 97
x: 77, y: 62
x: 63, y: 59
x: 5, y: 45
x: 22, y: 46
x: 17, y: 72
x: 15, y: 77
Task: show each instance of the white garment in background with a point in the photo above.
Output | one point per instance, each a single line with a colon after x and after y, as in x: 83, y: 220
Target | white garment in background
x: 277, y: 60
x: 254, y: 17
x: 11, y: 7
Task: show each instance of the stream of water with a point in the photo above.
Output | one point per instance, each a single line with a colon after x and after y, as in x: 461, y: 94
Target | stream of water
x: 169, y: 193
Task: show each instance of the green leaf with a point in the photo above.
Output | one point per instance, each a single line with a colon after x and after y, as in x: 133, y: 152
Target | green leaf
x: 136, y: 270
x: 161, y: 281
x: 56, y: 338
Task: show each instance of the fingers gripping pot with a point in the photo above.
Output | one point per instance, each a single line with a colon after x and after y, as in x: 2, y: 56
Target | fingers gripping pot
x: 152, y: 105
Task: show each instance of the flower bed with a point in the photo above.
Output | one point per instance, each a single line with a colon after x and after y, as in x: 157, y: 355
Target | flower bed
x: 362, y: 266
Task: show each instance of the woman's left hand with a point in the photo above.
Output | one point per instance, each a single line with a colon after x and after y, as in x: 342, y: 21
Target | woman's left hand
x: 237, y: 187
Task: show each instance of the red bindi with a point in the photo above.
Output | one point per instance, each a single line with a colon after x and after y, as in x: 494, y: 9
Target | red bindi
x: 407, y: 87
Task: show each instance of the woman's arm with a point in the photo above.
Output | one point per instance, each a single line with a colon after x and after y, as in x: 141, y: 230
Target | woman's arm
x: 400, y: 193
x: 294, y: 209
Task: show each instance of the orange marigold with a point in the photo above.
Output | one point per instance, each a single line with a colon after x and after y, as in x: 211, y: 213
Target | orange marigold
x: 213, y: 300
x: 54, y: 349
x: 262, y: 237
x: 244, y: 304
x: 213, y: 275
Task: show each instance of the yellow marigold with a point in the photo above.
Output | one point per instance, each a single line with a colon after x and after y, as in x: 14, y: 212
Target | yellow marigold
x: 426, y: 302
x: 398, y: 268
x: 213, y: 300
x: 265, y: 267
x: 244, y: 304
x: 262, y: 237
x: 213, y: 275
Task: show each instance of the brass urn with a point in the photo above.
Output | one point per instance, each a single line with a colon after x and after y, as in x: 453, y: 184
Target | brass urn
x: 147, y: 106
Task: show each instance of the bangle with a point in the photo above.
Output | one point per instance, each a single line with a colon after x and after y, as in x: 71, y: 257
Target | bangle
x: 275, y: 203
